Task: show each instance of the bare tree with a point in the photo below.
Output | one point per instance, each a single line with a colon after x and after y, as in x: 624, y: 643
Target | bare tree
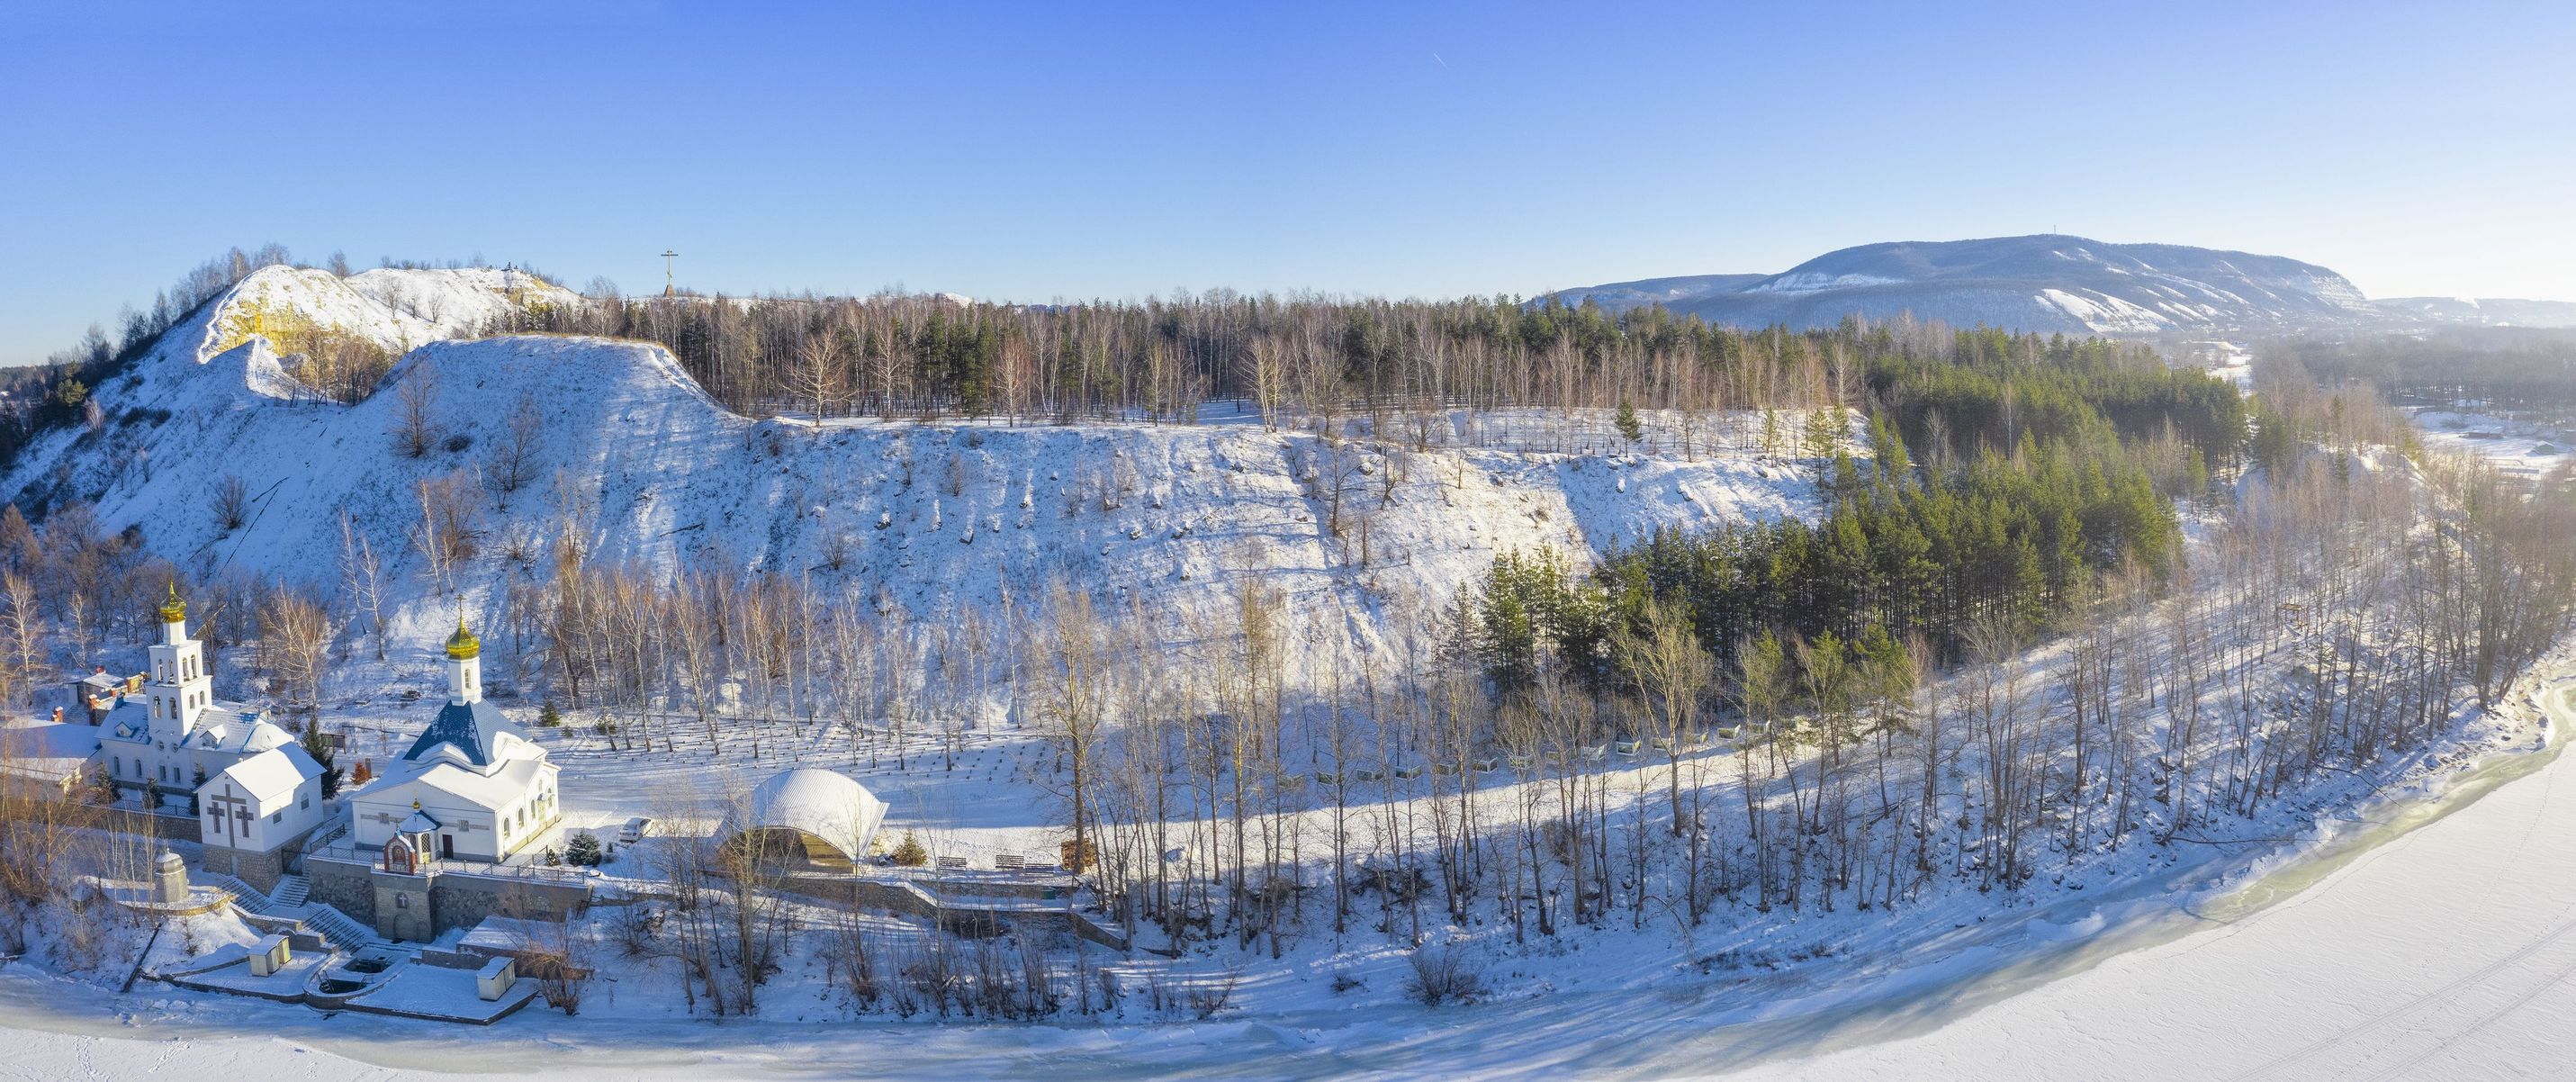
x: 298, y: 633
x: 22, y: 634
x: 450, y: 524
x: 415, y: 430
x: 1075, y: 663
x: 514, y: 458
x: 820, y: 376
x: 362, y: 580
x: 231, y: 502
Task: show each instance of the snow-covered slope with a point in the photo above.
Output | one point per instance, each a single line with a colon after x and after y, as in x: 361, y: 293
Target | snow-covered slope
x: 394, y: 308
x: 2482, y: 311
x: 928, y: 517
x: 2037, y: 283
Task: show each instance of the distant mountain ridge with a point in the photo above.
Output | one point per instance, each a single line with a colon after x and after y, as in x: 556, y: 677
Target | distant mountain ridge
x: 2055, y: 283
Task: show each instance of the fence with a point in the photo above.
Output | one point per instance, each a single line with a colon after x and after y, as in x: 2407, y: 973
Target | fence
x: 373, y: 860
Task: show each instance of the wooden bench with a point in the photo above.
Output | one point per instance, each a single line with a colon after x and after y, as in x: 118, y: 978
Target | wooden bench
x: 950, y: 864
x: 1009, y: 862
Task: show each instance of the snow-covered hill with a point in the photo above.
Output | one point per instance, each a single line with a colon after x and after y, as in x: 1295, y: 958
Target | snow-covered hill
x: 929, y: 517
x: 2044, y: 283
x: 2482, y: 311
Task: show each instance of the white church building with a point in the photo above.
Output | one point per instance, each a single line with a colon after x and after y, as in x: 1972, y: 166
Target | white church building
x: 255, y: 809
x: 170, y: 740
x: 473, y: 787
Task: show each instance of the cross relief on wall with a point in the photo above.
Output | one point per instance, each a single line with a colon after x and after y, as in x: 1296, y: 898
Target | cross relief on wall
x: 240, y: 813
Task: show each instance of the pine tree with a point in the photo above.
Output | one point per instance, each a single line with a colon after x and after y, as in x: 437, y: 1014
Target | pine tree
x: 322, y: 748
x: 1630, y: 429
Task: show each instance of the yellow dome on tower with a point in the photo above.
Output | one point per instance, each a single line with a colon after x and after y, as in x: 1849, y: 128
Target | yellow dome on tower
x: 463, y: 644
x: 174, y: 610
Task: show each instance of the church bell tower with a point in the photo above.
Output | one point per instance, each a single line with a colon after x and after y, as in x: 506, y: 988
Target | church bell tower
x: 180, y: 687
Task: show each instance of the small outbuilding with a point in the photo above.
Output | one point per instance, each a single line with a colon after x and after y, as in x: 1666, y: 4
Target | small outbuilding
x: 817, y: 816
x: 46, y: 758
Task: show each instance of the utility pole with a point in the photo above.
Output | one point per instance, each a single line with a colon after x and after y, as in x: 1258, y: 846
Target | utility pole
x: 668, y: 290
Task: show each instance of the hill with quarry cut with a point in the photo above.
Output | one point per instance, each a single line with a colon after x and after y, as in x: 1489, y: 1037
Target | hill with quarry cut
x: 930, y: 518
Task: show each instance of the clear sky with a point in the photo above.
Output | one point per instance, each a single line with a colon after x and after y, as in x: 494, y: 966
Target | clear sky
x: 1045, y: 150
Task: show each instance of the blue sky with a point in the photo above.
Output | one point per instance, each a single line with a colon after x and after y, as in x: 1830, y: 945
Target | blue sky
x: 1037, y: 151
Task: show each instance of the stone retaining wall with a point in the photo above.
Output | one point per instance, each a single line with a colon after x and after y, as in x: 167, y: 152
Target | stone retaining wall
x: 963, y: 918
x: 422, y: 907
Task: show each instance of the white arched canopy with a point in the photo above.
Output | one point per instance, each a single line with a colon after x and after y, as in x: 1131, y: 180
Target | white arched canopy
x: 821, y: 805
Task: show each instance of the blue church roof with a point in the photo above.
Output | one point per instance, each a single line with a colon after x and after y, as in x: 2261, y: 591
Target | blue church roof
x: 472, y: 728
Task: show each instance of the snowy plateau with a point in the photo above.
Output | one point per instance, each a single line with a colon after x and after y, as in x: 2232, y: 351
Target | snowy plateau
x: 2423, y: 895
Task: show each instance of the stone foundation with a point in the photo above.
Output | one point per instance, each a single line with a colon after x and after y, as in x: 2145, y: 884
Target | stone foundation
x: 252, y: 866
x: 419, y: 908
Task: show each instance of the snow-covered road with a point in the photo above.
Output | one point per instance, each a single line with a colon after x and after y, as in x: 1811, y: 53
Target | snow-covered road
x: 2447, y: 952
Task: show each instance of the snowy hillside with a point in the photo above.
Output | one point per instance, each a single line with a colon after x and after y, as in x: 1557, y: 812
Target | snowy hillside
x: 2483, y: 311
x: 926, y: 517
x: 394, y: 308
x: 2046, y: 283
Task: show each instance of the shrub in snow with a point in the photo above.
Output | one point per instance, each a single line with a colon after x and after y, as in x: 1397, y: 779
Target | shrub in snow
x: 1442, y: 974
x: 549, y: 716
x: 583, y: 850
x: 232, y: 502
x: 910, y: 854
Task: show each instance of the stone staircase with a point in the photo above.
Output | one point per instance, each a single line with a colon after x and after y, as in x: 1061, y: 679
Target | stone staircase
x: 246, y: 896
x: 291, y: 903
x: 341, y: 929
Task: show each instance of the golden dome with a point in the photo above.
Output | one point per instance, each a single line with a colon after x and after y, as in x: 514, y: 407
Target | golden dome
x: 174, y: 610
x: 463, y: 644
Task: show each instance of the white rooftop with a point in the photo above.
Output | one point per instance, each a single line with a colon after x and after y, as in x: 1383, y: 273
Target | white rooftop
x: 271, y: 774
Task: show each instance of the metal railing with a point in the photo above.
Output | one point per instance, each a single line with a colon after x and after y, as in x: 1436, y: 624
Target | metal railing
x: 374, y: 859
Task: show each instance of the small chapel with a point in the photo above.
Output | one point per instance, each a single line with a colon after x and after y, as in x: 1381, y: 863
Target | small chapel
x: 472, y: 787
